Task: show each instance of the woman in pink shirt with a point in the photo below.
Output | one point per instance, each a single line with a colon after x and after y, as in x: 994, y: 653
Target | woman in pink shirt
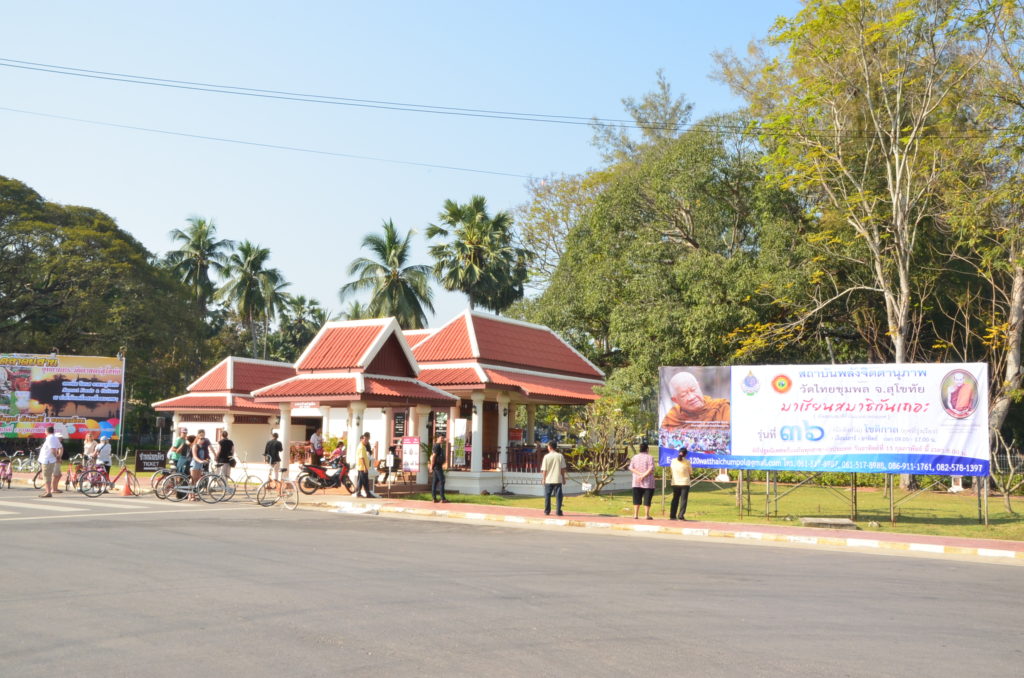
x: 642, y: 467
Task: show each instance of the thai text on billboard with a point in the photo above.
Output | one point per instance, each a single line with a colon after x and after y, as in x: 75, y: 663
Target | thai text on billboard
x: 74, y: 394
x: 895, y: 418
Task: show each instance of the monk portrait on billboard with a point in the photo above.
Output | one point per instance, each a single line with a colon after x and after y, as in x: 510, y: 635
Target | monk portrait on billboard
x: 690, y: 403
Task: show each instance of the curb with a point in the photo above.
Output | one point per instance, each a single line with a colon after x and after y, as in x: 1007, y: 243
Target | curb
x: 882, y: 545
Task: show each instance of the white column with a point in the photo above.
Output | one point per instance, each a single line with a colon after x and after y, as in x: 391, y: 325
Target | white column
x: 503, y: 430
x: 422, y: 415
x: 285, y: 438
x: 389, y: 430
x: 176, y: 426
x: 531, y: 416
x: 325, y: 412
x: 356, y: 410
x: 477, y: 462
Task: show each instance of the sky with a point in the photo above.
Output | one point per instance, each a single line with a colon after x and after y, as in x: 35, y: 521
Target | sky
x: 312, y: 209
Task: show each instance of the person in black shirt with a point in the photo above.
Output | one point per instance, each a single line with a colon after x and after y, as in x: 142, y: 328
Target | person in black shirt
x: 225, y: 452
x: 438, y: 463
x: 272, y: 453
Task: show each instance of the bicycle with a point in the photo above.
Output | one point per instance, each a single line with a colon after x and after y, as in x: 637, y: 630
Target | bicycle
x: 24, y: 462
x: 97, y: 481
x: 210, y: 487
x: 273, y: 491
x: 250, y: 483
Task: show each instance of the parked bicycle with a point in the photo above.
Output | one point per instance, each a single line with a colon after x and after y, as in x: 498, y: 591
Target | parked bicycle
x: 95, y: 482
x: 250, y: 484
x: 210, y: 487
x: 273, y: 491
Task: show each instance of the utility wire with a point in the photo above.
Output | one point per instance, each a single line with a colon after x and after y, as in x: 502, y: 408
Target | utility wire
x: 257, y: 144
x: 738, y: 130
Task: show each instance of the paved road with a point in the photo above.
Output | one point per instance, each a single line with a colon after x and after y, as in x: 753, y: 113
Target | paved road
x: 230, y: 590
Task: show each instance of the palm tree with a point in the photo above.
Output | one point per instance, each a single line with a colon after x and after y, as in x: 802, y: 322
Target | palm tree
x: 199, y: 253
x: 355, y: 311
x: 275, y: 301
x: 248, y: 283
x: 395, y: 289
x: 480, y: 259
x: 300, y: 319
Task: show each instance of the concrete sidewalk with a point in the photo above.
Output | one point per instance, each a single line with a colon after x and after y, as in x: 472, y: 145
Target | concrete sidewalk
x: 995, y: 550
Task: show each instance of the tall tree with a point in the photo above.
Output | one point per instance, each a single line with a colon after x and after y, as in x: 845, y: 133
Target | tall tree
x: 858, y: 112
x: 248, y: 282
x: 479, y: 257
x: 658, y: 116
x: 396, y: 288
x: 199, y: 254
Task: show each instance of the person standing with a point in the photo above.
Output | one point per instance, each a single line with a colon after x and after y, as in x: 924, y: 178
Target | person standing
x: 272, y: 453
x: 681, y: 473
x: 552, y: 468
x: 50, y: 454
x: 642, y: 468
x: 89, y: 450
x: 363, y: 467
x: 103, y: 455
x: 225, y: 454
x: 437, y: 464
x: 200, y: 458
x: 183, y: 448
x: 316, y: 446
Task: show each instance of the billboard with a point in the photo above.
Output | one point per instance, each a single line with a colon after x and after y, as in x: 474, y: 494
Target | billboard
x: 74, y: 394
x: 907, y: 418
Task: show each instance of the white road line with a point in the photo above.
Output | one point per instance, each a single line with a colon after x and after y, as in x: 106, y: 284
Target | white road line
x: 7, y: 513
x: 86, y: 514
x: 39, y: 505
x: 104, y: 503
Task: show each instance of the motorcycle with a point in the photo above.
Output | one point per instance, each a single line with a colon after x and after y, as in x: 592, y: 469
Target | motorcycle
x: 313, y: 477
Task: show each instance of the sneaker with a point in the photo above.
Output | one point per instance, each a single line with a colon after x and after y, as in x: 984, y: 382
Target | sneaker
x: 559, y: 514
x: 672, y: 518
x: 445, y: 501
x: 47, y: 494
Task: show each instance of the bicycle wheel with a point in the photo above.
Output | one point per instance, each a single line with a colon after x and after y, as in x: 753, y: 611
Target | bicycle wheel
x: 267, y: 495
x: 158, y: 477
x: 251, y: 485
x: 290, y: 494
x: 37, y: 480
x: 308, y: 484
x: 133, y: 483
x: 92, y: 483
x: 175, y: 487
x: 212, y: 489
x: 232, y: 487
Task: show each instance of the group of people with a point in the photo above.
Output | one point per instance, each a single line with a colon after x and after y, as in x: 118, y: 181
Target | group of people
x: 96, y: 452
x: 642, y: 468
x: 192, y: 455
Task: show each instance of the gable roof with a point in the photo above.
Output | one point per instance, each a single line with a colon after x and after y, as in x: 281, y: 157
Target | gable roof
x: 240, y: 375
x: 352, y: 345
x: 477, y: 337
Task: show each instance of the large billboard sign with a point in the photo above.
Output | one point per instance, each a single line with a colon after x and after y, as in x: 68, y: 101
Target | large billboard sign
x: 74, y: 394
x: 907, y: 418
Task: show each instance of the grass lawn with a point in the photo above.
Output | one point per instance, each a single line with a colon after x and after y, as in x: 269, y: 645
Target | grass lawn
x: 938, y: 513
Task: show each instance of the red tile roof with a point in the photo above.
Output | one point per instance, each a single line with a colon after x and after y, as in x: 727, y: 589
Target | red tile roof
x: 346, y: 388
x: 339, y: 347
x: 307, y: 386
x: 451, y: 375
x: 405, y: 391
x: 217, y: 403
x: 451, y: 342
x: 249, y: 376
x: 414, y: 337
x: 528, y: 346
x: 537, y: 386
x: 216, y: 379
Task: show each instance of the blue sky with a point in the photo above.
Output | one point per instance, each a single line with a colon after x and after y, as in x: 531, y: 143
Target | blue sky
x: 312, y: 211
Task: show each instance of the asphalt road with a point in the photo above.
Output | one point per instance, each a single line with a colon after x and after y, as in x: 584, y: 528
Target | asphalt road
x: 101, y: 589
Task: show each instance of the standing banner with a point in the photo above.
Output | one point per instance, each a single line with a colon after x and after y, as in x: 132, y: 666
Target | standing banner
x: 895, y: 418
x: 459, y: 427
x: 411, y: 454
x: 74, y: 394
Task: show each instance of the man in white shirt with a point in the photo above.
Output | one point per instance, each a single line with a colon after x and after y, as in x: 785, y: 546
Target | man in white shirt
x: 552, y: 467
x: 49, y: 456
x: 316, y: 446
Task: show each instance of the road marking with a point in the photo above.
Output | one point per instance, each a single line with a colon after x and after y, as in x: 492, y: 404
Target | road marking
x: 41, y: 506
x: 87, y: 514
x: 6, y: 513
x: 104, y: 502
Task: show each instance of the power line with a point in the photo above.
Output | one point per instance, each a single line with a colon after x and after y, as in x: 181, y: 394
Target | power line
x: 257, y: 144
x: 737, y: 130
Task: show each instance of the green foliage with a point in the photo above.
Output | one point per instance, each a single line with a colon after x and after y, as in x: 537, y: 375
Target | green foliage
x: 396, y: 289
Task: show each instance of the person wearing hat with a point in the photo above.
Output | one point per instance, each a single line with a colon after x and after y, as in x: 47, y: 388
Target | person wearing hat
x: 681, y: 472
x: 103, y: 454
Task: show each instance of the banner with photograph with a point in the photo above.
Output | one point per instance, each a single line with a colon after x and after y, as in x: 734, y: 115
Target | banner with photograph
x: 74, y: 394
x: 908, y: 418
x: 411, y: 454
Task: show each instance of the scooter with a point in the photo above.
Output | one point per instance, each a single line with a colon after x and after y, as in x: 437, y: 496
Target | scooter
x: 315, y: 477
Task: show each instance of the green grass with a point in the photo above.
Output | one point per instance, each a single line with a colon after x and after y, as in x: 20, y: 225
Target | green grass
x: 935, y: 513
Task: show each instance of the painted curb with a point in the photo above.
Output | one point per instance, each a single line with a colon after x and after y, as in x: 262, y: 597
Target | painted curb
x: 745, y: 534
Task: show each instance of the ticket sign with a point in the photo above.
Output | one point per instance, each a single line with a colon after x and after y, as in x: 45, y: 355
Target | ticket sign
x: 411, y: 454
x: 893, y: 418
x: 74, y: 394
